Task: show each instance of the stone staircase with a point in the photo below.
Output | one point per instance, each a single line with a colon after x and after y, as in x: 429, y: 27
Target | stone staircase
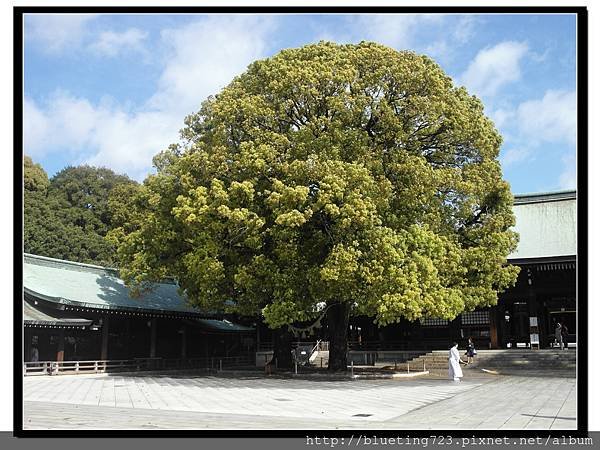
x: 555, y: 363
x: 320, y: 358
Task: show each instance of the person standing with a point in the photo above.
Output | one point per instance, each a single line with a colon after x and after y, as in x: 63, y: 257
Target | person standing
x: 471, y: 352
x: 34, y: 356
x: 454, y: 371
x: 558, y: 335
x: 565, y: 336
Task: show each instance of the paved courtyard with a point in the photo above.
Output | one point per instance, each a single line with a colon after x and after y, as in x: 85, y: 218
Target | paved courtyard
x: 210, y: 402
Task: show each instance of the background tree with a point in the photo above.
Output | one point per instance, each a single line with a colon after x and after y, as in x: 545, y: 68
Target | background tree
x: 67, y: 217
x: 354, y: 176
x: 35, y: 178
x: 42, y: 231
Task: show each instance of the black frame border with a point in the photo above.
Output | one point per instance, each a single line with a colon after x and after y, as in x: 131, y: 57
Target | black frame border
x: 582, y: 215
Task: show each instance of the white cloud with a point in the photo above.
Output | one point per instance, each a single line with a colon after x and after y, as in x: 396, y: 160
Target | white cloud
x: 394, y: 30
x: 502, y: 116
x: 127, y: 142
x: 533, y: 123
x: 101, y: 134
x: 540, y: 57
x: 35, y: 128
x: 56, y: 32
x: 552, y: 118
x: 514, y: 155
x: 568, y: 178
x: 494, y: 67
x: 465, y: 29
x: 451, y: 38
x: 438, y: 49
x: 204, y: 57
x: 111, y: 43
x: 401, y: 31
x: 64, y: 123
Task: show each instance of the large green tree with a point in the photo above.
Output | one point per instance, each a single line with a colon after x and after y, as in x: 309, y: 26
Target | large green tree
x: 68, y: 216
x: 351, y: 176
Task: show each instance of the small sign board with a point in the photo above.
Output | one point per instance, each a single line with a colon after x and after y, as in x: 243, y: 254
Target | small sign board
x: 534, y: 333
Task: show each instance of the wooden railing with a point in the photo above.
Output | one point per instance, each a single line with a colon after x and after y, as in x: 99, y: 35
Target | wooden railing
x: 386, y: 345
x: 314, y: 349
x: 133, y: 365
x: 323, y: 346
x: 369, y: 357
x: 269, y: 346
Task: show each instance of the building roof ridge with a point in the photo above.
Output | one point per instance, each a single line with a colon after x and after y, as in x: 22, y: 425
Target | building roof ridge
x: 540, y: 197
x: 83, y: 267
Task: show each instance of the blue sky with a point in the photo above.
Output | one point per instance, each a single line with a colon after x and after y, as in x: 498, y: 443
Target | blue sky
x: 113, y: 90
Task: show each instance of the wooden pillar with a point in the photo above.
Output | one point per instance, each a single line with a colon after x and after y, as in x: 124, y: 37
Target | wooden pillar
x: 27, y: 349
x: 257, y: 336
x: 60, y: 351
x: 454, y: 328
x: 153, y: 338
x: 183, y: 342
x: 128, y: 337
x: 493, y: 318
x: 532, y: 304
x: 104, y: 348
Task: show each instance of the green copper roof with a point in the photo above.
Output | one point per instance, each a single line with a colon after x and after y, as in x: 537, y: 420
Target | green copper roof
x: 547, y: 225
x: 75, y: 284
x: 33, y: 316
x: 541, y: 197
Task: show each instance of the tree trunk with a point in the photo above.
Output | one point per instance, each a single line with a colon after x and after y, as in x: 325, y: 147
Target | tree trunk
x: 338, y: 316
x: 282, y: 348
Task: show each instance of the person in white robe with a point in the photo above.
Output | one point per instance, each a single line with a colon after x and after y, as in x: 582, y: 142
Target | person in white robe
x: 454, y: 370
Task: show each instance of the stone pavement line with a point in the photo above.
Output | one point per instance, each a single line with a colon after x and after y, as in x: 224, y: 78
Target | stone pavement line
x: 494, y: 404
x: 263, y: 403
x: 267, y: 398
x: 551, y: 409
x: 567, y: 412
x: 538, y: 419
x: 87, y: 391
x: 517, y: 419
x: 107, y: 393
x: 41, y: 415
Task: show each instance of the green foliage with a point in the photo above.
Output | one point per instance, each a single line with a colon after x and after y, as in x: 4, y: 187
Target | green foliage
x: 68, y: 216
x: 330, y: 173
x: 35, y: 178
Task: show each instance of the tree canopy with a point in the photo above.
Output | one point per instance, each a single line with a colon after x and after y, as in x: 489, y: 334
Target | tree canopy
x: 349, y: 175
x: 67, y: 217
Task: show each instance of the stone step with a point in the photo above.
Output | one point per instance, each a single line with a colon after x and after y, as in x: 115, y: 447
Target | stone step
x: 508, y: 355
x: 321, y: 359
x: 503, y: 361
x: 491, y: 359
x: 320, y: 362
x: 554, y: 360
x: 498, y: 363
x: 523, y: 373
x: 486, y: 364
x: 479, y: 367
x: 530, y: 355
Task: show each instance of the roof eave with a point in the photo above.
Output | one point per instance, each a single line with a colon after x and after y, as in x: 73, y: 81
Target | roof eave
x: 125, y: 309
